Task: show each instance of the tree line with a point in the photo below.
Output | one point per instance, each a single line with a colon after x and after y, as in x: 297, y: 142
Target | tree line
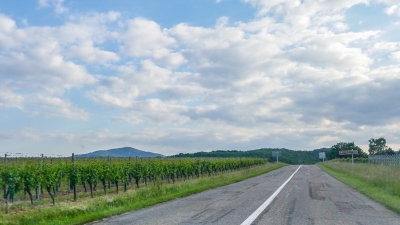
x: 377, y: 146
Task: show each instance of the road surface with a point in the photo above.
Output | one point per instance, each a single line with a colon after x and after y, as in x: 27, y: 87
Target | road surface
x: 310, y: 197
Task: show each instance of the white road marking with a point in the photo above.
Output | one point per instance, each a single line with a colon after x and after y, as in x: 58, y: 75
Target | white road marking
x: 262, y: 207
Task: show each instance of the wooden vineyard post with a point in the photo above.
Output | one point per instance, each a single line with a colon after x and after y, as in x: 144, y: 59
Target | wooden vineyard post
x: 39, y: 188
x: 137, y: 173
x: 74, y: 175
x: 4, y: 187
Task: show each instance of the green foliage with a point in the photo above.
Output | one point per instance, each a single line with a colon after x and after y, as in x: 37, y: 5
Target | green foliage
x: 50, y: 177
x: 345, y: 146
x: 10, y: 180
x: 378, y: 147
x: 82, y: 212
x: 30, y: 178
x: 105, y: 174
x: 73, y: 176
x: 90, y: 172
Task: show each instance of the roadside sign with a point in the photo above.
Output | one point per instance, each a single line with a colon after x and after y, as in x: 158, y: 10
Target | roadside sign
x: 348, y: 152
x: 276, y: 154
x: 322, y: 156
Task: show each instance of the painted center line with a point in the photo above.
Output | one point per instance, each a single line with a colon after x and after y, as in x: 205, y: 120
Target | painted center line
x: 262, y: 207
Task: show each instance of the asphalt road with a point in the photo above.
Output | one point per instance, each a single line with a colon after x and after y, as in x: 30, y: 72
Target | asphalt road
x: 310, y: 197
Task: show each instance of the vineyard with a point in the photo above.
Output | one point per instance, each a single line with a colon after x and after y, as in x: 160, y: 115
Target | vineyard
x: 34, y: 179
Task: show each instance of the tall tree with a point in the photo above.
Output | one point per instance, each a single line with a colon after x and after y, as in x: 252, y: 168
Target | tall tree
x: 377, y: 146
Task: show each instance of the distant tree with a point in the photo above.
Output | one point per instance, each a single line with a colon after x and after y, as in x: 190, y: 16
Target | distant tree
x: 378, y: 146
x: 343, y: 146
x: 390, y: 151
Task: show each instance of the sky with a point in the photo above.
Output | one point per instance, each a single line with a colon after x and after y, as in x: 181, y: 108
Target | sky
x: 188, y: 75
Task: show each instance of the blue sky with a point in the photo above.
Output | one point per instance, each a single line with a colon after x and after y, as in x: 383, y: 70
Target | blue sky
x: 188, y: 75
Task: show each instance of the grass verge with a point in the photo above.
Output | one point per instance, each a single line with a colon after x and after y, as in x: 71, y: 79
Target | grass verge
x: 380, y: 183
x: 94, y: 209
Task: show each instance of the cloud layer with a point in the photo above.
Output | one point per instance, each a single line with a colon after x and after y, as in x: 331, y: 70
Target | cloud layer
x: 297, y: 75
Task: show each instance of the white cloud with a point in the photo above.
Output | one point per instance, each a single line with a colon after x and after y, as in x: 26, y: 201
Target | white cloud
x: 329, y: 53
x: 56, y: 107
x: 10, y: 99
x: 44, y: 70
x: 396, y: 56
x: 86, y: 52
x: 56, y: 4
x: 289, y: 7
x: 131, y: 84
x: 295, y: 76
x: 44, y: 66
x: 32, y: 62
x: 155, y: 111
x: 206, y: 38
x: 392, y: 7
x: 7, y: 27
x: 144, y: 38
x: 252, y: 74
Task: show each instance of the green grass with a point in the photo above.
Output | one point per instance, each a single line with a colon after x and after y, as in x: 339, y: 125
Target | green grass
x: 380, y: 183
x: 86, y: 210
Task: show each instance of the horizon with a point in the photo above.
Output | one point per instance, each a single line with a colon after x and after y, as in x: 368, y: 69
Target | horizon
x: 21, y: 154
x: 187, y: 76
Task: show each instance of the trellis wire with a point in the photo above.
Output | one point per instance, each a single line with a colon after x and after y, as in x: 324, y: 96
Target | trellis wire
x: 389, y: 160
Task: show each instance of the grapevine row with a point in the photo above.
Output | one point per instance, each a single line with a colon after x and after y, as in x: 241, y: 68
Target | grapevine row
x: 31, y: 178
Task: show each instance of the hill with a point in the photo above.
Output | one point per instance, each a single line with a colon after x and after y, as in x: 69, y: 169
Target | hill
x: 288, y: 156
x: 120, y: 153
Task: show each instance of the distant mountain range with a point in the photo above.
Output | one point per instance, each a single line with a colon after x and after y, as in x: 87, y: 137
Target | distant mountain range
x: 120, y: 153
